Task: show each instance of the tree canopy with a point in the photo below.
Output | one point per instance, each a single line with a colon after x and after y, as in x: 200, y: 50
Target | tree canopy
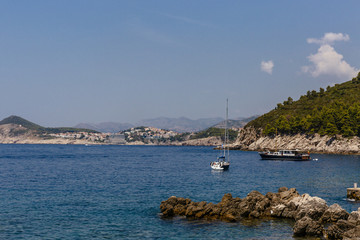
x: 335, y: 110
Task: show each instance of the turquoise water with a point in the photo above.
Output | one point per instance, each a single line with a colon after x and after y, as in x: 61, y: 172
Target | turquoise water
x: 114, y: 192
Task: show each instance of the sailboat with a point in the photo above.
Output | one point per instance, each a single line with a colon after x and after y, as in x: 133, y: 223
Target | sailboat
x: 222, y: 162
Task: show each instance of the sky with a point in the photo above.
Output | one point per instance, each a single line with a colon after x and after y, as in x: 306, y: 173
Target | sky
x: 66, y: 62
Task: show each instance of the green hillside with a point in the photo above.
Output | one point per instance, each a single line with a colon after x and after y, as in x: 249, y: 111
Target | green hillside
x: 335, y: 110
x: 215, y: 132
x: 43, y: 130
x: 21, y: 121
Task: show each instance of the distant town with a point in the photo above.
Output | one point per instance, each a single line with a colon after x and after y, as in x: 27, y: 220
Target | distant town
x: 132, y: 135
x: 15, y: 129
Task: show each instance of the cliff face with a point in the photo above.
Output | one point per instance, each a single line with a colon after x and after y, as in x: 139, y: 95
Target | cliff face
x: 252, y: 140
x: 209, y: 141
x: 13, y: 133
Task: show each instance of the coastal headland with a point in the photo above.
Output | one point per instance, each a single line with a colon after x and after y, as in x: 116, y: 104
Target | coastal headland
x: 324, y: 121
x: 251, y: 139
x: 247, y: 139
x: 311, y: 215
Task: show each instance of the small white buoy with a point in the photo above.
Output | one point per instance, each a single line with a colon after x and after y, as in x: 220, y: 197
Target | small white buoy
x: 315, y: 159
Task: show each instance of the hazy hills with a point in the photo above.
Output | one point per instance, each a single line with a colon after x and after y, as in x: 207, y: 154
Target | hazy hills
x: 110, y: 127
x: 181, y: 124
x: 240, y: 123
x: 176, y: 124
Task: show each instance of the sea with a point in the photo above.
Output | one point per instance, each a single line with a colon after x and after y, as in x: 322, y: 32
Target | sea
x: 114, y: 192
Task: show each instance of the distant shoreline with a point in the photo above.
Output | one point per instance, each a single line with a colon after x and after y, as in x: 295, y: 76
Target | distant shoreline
x: 232, y: 148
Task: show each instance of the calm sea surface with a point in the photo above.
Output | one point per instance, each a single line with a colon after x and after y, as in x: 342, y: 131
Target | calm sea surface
x: 114, y: 192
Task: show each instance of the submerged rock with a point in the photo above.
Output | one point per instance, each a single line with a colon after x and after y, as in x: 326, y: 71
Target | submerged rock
x: 311, y: 214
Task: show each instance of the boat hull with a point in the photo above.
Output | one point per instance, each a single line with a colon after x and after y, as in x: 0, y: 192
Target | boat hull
x: 266, y: 156
x: 221, y: 166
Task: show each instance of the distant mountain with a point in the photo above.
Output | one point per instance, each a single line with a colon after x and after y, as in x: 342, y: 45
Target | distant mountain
x: 239, y: 123
x: 109, y: 127
x: 40, y: 129
x: 181, y: 124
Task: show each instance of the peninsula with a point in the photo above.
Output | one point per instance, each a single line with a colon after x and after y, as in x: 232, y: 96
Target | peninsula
x: 18, y: 130
x: 324, y: 121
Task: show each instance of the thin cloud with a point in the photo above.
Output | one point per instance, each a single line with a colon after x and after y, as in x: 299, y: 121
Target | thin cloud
x: 329, y: 38
x: 267, y: 66
x: 139, y: 28
x: 327, y: 61
x: 188, y: 20
x: 155, y: 36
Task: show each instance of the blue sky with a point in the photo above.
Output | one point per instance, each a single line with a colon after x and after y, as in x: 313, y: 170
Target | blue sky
x: 66, y: 62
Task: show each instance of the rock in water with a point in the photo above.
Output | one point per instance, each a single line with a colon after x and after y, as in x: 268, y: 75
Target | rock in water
x: 310, y: 213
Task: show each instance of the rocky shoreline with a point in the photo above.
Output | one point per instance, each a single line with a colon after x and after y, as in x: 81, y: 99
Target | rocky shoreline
x: 250, y: 139
x: 311, y: 215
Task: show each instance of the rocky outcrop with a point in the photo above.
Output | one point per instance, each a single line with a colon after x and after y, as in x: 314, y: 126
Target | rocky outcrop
x: 209, y: 141
x: 345, y: 228
x: 251, y: 139
x: 246, y: 138
x: 312, y: 216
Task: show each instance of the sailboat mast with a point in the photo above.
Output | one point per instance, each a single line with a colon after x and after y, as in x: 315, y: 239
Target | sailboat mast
x: 226, y: 129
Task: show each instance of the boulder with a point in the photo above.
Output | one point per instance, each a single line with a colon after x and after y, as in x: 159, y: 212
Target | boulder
x: 274, y: 198
x: 282, y: 189
x: 253, y: 205
x: 307, y: 226
x: 340, y: 229
x: 195, y: 210
x: 229, y: 216
x: 288, y: 194
x: 276, y: 211
x: 312, y: 207
x: 334, y: 232
x: 289, y: 211
x: 334, y: 213
x: 168, y: 210
x: 309, y: 213
x: 355, y: 217
x: 226, y: 198
x: 244, y: 209
x: 352, y: 234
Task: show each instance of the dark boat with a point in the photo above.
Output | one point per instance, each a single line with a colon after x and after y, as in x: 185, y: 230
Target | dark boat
x: 294, y: 155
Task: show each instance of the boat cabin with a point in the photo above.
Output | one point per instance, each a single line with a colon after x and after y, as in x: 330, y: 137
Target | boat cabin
x: 285, y: 154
